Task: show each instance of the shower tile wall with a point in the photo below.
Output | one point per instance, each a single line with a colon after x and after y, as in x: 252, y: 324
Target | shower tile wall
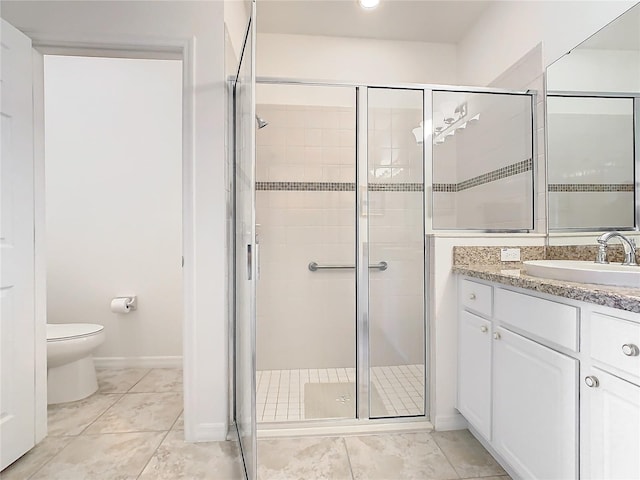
x: 306, y: 319
x: 500, y: 138
x: 396, y: 236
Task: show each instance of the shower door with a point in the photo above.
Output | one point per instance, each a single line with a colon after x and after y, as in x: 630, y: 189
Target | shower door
x: 392, y: 234
x: 245, y: 253
x: 306, y: 224
x: 340, y: 220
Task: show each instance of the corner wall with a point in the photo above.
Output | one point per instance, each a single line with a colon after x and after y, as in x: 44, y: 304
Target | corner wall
x: 509, y: 29
x: 197, y: 27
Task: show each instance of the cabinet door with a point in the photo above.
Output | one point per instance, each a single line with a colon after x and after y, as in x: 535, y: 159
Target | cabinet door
x: 610, y: 411
x: 535, y: 412
x: 474, y: 372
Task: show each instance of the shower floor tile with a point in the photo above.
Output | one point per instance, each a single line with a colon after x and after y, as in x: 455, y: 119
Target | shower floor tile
x: 281, y: 393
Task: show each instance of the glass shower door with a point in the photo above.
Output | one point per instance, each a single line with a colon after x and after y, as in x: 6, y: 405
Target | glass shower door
x: 396, y: 251
x: 305, y: 212
x: 245, y: 254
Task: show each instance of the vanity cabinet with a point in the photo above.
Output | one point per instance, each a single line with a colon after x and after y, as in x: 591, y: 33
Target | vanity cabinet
x: 550, y: 385
x: 474, y: 371
x: 610, y: 420
x: 610, y: 397
x: 534, y: 407
x: 518, y: 374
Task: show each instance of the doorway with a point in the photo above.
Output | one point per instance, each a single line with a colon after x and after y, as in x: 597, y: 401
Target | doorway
x: 113, y: 200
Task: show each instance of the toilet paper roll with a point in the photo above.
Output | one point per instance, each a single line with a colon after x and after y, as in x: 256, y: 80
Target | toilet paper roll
x: 120, y: 305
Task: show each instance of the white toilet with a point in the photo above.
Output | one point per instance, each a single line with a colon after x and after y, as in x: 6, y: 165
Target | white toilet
x: 71, y: 374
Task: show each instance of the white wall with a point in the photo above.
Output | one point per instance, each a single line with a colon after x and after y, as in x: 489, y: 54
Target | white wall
x: 595, y: 70
x: 354, y: 59
x: 113, y: 160
x: 199, y: 27
x: 509, y: 29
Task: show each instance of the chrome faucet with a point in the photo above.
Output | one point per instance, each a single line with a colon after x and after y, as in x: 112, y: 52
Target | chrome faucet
x: 628, y: 243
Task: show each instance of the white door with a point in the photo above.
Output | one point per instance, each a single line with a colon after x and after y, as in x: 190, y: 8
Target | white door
x: 535, y: 411
x: 17, y: 322
x: 610, y: 410
x: 474, y: 371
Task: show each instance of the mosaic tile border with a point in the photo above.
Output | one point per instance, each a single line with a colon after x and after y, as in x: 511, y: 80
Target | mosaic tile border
x: 498, y: 174
x: 306, y: 186
x: 336, y: 187
x: 396, y: 187
x: 590, y: 187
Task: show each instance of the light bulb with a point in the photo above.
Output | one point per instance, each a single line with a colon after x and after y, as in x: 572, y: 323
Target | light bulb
x: 368, y: 4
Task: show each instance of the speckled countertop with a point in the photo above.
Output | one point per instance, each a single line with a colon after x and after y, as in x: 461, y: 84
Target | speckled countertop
x: 513, y: 274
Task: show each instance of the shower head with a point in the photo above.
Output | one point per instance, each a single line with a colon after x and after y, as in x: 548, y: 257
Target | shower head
x: 261, y: 122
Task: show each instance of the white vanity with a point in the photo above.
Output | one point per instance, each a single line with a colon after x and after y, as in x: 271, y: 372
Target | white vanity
x: 550, y: 384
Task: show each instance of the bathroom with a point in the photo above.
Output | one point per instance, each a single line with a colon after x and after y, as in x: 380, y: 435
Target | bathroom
x: 206, y: 346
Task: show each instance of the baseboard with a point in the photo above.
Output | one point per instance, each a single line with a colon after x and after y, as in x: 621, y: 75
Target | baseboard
x: 207, y: 432
x: 443, y: 423
x: 138, y: 362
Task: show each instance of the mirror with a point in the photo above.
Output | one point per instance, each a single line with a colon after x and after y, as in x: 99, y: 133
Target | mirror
x: 593, y: 108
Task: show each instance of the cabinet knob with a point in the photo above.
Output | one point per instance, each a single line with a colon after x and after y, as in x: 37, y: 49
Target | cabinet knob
x: 630, y: 350
x: 591, y: 381
x: 484, y: 329
x: 496, y: 336
x: 472, y: 296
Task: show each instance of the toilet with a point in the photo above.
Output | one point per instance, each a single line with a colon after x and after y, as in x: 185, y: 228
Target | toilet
x: 71, y: 374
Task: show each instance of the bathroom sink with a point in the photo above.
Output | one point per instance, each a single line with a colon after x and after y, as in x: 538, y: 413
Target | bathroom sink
x: 585, y: 272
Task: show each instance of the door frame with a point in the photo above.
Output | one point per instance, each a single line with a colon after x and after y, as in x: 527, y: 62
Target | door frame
x: 122, y: 47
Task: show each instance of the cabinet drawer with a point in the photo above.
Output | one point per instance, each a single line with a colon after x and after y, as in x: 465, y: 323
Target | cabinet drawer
x: 476, y: 296
x: 615, y: 342
x: 552, y: 321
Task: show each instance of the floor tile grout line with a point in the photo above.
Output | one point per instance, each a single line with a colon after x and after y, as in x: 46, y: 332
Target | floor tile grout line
x: 444, y: 454
x: 346, y: 449
x: 176, y: 420
x: 141, y: 378
x: 51, y: 459
x: 144, y: 467
x: 102, y: 413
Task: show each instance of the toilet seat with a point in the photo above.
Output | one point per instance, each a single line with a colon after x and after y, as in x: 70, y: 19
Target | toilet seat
x: 65, y: 331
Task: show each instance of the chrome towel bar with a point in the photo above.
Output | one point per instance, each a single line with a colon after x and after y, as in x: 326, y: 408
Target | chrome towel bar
x: 313, y: 266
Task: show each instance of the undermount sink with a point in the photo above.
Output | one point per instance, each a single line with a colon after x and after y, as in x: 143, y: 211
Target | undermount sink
x: 585, y: 272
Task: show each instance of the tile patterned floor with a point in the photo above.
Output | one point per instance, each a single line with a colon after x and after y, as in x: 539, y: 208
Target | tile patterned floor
x: 403, y: 456
x: 132, y: 429
x: 281, y: 393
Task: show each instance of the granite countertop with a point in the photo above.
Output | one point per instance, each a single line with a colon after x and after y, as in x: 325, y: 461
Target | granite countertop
x: 513, y: 274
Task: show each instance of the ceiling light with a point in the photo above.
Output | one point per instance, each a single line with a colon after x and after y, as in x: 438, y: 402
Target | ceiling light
x: 368, y: 4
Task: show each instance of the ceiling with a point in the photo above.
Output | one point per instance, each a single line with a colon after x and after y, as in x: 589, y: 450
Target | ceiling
x: 417, y: 20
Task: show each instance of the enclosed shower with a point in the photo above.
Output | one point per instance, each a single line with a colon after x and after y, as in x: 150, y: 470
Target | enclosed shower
x: 341, y: 289
x: 336, y: 210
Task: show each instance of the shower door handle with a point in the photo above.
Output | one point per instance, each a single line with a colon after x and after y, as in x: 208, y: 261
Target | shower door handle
x: 314, y: 266
x: 249, y: 262
x: 257, y: 255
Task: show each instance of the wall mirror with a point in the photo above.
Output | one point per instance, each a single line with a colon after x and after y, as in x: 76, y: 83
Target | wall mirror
x: 593, y: 117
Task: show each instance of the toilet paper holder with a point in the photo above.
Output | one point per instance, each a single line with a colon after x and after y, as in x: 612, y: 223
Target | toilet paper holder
x: 130, y: 301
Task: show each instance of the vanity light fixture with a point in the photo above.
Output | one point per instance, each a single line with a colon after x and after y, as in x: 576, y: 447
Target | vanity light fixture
x: 368, y: 4
x: 419, y: 132
x: 454, y: 119
x: 445, y: 124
